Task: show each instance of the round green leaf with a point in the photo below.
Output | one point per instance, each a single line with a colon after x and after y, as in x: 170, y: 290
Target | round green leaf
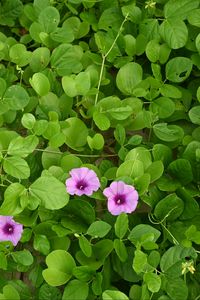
x: 153, y: 282
x: 49, y: 18
x: 40, y: 59
x: 16, y: 167
x: 178, y: 69
x: 168, y: 133
x: 131, y: 168
x: 76, y: 133
x: 179, y: 9
x: 28, y: 120
x: 40, y: 83
x: 50, y: 192
x: 171, y: 207
x: 16, y: 97
x: 113, y: 295
x: 76, y: 289
x: 99, y: 229
x: 163, y: 106
x: 194, y: 114
x: 128, y: 77
x: 174, y: 33
x: 60, y: 266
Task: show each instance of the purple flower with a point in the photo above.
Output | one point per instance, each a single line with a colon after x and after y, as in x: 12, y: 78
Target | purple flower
x: 83, y: 181
x: 122, y: 198
x: 10, y: 230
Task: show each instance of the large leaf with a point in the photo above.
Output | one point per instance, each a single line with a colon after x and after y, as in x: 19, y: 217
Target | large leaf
x: 60, y: 266
x: 178, y: 69
x: 9, y: 11
x: 16, y: 167
x: 174, y: 33
x: 128, y: 77
x: 76, y: 289
x: 50, y: 192
x: 179, y: 9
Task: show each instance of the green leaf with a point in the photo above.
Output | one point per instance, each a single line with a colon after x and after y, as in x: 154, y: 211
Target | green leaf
x: 171, y: 261
x: 128, y: 77
x: 3, y: 261
x: 40, y: 83
x: 101, y: 121
x: 170, y: 207
x: 139, y: 261
x: 76, y: 289
x: 96, y: 142
x: 70, y: 161
x: 120, y: 249
x: 84, y: 273
x: 142, y: 230
x: 23, y: 146
x: 142, y: 154
x: 168, y: 133
x: 194, y: 17
x: 163, y: 153
x: 11, y: 204
x: 10, y: 10
x: 163, y: 106
x: 176, y: 288
x: 76, y: 133
x: 60, y: 266
x: 153, y: 281
x: 49, y: 18
x: 155, y: 170
x: 194, y: 114
x: 121, y: 225
x: 113, y: 295
x: 131, y: 168
x: 85, y: 245
x: 182, y: 170
x: 44, y: 190
x: 16, y: 97
x: 179, y: 9
x: 168, y: 90
x: 23, y: 257
x: 28, y: 120
x: 99, y: 229
x: 16, y: 167
x: 40, y: 59
x: 66, y: 59
x: 191, y: 206
x: 47, y: 291
x: 41, y: 244
x: 178, y: 69
x: 10, y: 292
x: 175, y: 34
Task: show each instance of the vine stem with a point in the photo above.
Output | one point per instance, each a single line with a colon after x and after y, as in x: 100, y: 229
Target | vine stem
x: 104, y: 58
x: 80, y: 155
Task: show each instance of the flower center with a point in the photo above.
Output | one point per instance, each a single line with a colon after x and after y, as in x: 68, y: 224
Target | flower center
x: 8, y: 228
x: 120, y: 199
x: 81, y: 185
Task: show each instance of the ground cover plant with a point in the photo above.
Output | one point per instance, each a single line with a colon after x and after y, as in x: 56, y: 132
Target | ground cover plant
x: 99, y: 149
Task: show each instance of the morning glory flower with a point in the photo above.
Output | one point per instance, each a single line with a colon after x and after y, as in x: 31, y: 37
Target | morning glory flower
x: 122, y: 198
x: 83, y: 181
x: 10, y: 230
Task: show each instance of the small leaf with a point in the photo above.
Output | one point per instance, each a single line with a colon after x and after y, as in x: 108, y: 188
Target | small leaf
x: 40, y: 83
x: 16, y: 167
x: 99, y: 229
x: 153, y: 281
x: 121, y: 225
x: 85, y: 246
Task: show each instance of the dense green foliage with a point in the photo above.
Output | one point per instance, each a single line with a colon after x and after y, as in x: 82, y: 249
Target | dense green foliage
x: 113, y: 85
